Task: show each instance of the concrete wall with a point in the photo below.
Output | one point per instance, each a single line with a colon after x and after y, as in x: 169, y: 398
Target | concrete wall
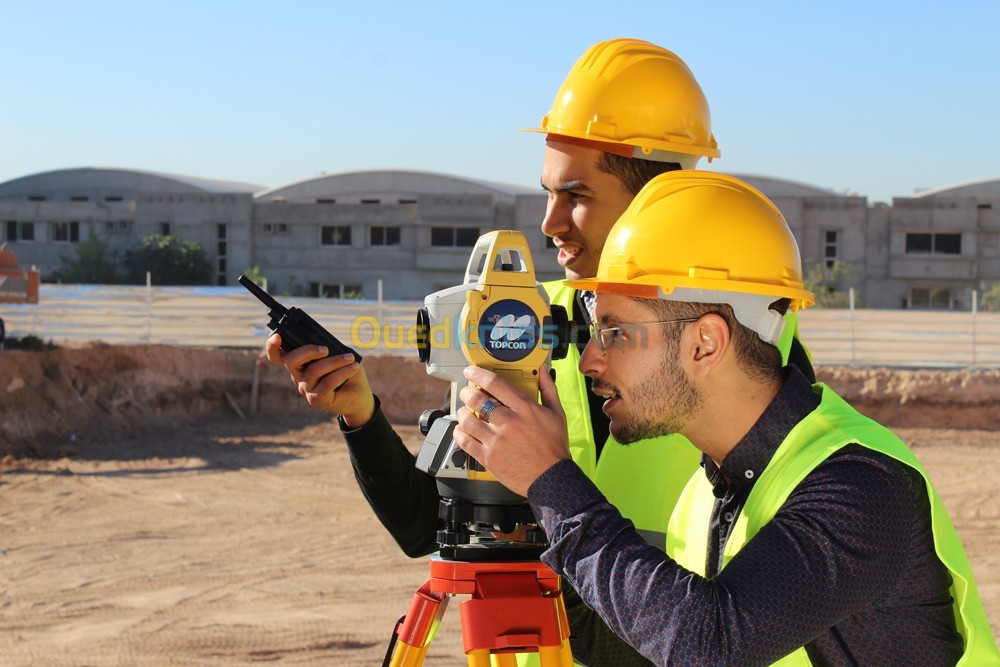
x: 281, y: 230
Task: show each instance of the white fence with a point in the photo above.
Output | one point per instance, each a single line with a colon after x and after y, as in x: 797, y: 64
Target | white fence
x: 231, y: 317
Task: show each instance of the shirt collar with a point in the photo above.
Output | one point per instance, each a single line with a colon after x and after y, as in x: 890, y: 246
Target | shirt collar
x: 747, y: 460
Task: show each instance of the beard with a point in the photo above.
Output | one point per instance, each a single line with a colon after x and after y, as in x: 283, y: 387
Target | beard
x: 662, y: 401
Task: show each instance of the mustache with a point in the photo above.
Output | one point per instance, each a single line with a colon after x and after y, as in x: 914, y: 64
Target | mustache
x: 605, y: 387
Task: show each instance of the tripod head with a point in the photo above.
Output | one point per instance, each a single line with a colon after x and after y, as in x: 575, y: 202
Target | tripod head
x: 501, y: 320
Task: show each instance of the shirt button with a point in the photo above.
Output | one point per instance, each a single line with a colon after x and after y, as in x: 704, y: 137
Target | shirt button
x: 729, y: 516
x: 748, y: 474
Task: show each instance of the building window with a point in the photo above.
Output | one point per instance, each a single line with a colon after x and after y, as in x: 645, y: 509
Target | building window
x: 383, y: 236
x: 407, y: 201
x: 274, y: 228
x: 937, y: 298
x: 112, y: 198
x: 36, y: 198
x: 326, y: 200
x: 65, y: 232
x: 79, y: 198
x: 454, y: 237
x: 933, y: 244
x: 336, y: 290
x: 339, y: 235
x: 371, y: 201
x: 120, y: 226
x: 830, y: 247
x: 221, y: 233
x: 164, y: 229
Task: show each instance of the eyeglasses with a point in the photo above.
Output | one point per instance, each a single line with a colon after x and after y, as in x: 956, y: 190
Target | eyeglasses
x: 606, y: 337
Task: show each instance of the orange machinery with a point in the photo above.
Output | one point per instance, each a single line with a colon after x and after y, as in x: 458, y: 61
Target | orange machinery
x: 17, y: 285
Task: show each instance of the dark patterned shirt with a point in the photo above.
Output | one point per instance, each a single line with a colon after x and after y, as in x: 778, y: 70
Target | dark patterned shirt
x: 846, y: 567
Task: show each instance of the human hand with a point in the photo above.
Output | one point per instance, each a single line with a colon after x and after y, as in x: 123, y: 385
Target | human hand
x: 336, y: 384
x: 522, y: 439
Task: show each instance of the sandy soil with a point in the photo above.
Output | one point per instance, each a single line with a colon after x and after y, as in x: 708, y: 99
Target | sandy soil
x: 162, y: 529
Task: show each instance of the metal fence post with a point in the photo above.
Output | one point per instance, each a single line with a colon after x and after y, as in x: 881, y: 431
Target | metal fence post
x: 854, y: 360
x: 975, y: 309
x: 381, y: 310
x: 149, y: 308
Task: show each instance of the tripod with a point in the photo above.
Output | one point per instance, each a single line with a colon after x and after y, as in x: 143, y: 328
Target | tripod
x: 516, y: 607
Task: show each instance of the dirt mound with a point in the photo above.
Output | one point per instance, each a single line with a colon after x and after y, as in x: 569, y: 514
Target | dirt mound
x: 53, y: 402
x: 921, y: 398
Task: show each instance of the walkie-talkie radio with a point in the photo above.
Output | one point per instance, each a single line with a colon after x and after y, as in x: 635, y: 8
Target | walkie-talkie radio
x: 294, y: 326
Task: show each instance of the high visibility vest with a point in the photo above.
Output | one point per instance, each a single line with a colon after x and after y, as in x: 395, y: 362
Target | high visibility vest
x: 824, y: 431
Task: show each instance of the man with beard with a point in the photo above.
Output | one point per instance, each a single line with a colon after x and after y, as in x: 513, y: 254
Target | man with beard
x: 812, y: 536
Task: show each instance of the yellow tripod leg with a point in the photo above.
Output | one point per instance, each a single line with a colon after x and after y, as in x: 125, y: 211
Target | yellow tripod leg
x: 479, y: 657
x: 408, y: 656
x: 555, y: 656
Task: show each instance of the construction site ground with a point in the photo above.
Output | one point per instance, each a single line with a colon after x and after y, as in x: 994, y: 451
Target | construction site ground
x: 144, y: 522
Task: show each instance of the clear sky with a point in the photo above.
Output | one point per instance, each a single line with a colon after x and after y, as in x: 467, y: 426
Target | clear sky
x: 877, y: 98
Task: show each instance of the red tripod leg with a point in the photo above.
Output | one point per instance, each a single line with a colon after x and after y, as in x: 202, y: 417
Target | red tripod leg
x: 419, y: 627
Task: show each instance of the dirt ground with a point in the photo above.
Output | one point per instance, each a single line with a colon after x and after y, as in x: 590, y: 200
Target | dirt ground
x: 143, y: 522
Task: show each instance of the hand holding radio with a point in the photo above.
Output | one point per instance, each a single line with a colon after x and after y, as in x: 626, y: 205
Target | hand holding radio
x: 326, y: 372
x: 331, y: 382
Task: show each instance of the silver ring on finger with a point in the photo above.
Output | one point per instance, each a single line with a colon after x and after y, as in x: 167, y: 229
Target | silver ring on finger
x: 488, y: 407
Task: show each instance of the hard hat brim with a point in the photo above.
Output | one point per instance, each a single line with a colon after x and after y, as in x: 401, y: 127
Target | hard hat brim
x: 649, y: 287
x: 645, y: 144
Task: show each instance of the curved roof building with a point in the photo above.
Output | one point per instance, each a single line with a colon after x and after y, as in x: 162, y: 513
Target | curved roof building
x: 64, y: 184
x: 982, y: 189
x: 356, y: 185
x: 405, y: 233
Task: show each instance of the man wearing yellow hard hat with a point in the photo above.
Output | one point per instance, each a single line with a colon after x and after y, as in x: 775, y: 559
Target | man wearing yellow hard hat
x: 812, y: 535
x: 627, y: 111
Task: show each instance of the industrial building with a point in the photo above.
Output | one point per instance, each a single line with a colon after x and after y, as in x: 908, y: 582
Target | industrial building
x: 340, y: 235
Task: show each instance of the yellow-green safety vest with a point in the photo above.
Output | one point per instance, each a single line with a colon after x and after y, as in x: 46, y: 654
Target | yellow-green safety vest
x: 643, y: 480
x: 824, y: 431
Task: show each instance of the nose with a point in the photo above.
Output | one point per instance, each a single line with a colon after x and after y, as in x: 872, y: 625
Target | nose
x: 592, y: 360
x: 557, y: 217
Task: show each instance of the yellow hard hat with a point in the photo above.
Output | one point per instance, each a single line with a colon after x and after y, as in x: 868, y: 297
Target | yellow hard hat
x: 628, y: 92
x: 704, y: 237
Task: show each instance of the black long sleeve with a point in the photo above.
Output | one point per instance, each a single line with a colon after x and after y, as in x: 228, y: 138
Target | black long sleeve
x: 404, y: 499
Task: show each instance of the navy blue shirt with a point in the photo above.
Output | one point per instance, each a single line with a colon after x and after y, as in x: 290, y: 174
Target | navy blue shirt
x: 846, y: 568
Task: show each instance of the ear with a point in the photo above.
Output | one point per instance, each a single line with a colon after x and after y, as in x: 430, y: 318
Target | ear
x: 710, y: 344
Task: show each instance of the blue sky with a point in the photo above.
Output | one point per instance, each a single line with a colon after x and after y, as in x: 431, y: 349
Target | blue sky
x: 873, y: 98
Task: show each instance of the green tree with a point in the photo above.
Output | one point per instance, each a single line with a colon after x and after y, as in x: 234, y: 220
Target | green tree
x: 95, y: 263
x: 989, y: 297
x: 826, y: 282
x: 169, y: 260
